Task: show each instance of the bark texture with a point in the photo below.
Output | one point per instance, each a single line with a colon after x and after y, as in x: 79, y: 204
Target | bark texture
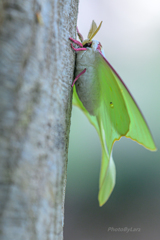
x: 36, y: 72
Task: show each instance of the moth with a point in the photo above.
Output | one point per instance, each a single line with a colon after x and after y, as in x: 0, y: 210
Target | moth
x: 101, y: 94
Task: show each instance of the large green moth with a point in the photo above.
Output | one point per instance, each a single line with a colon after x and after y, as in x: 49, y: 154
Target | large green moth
x: 101, y: 94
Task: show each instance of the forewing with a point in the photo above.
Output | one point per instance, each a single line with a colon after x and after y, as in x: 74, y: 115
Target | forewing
x: 112, y: 110
x: 138, y: 129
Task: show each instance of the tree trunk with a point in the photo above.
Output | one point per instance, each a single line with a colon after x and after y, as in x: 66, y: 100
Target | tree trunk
x: 36, y: 72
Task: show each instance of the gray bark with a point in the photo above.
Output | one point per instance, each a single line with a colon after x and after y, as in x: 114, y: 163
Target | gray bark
x: 36, y: 72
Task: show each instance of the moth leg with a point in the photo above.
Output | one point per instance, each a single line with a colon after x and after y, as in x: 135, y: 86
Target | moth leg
x: 76, y: 42
x: 78, y: 76
x: 79, y: 35
x: 78, y: 49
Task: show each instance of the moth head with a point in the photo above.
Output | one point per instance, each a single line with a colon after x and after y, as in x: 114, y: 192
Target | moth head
x: 92, y: 32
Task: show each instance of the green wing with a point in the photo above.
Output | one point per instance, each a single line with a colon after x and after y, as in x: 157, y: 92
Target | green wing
x: 123, y: 104
x: 138, y: 129
x: 112, y: 111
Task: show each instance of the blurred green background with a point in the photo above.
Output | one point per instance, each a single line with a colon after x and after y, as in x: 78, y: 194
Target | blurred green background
x: 130, y: 36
